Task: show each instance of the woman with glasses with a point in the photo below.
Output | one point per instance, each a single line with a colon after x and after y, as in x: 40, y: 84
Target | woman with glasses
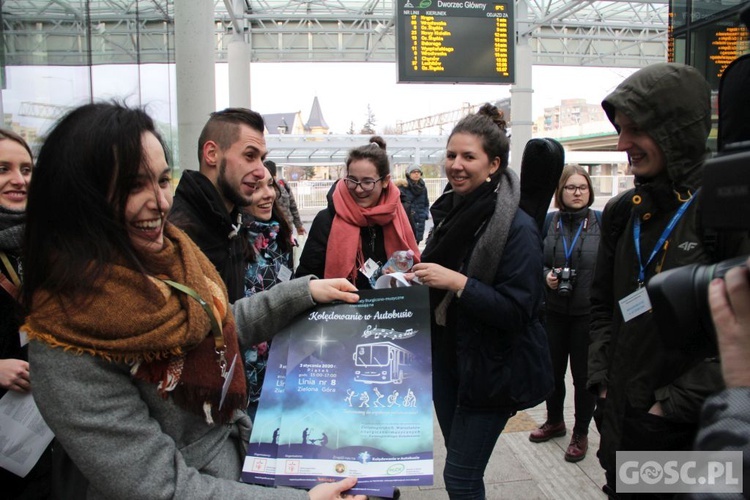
x: 363, y: 225
x: 571, y: 241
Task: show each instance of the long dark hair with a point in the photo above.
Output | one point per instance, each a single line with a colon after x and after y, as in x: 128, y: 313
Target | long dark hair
x: 284, y: 238
x: 85, y: 171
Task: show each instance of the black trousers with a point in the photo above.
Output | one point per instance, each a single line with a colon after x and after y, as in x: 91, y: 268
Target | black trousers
x: 568, y: 337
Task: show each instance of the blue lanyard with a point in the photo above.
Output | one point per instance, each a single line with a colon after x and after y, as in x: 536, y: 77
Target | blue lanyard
x: 664, y: 235
x: 569, y: 251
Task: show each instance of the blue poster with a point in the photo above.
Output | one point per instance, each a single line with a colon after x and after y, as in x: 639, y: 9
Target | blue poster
x: 260, y: 462
x: 356, y: 397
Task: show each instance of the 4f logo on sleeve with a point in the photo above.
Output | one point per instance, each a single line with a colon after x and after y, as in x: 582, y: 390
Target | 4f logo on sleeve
x: 688, y: 245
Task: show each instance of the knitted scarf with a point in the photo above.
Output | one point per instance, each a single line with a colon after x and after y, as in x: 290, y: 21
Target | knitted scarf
x: 416, y: 187
x: 344, y: 254
x: 165, y: 335
x: 12, y: 224
x: 488, y: 210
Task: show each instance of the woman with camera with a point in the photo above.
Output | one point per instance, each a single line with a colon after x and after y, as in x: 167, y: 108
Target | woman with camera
x: 571, y: 240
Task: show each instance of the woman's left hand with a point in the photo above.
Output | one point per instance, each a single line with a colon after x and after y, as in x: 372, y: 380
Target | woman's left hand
x: 437, y: 276
x: 328, y: 290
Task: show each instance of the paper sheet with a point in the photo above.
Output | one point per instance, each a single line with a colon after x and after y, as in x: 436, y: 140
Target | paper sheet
x: 23, y: 433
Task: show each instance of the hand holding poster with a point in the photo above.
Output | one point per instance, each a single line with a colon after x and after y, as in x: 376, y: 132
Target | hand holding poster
x: 348, y: 392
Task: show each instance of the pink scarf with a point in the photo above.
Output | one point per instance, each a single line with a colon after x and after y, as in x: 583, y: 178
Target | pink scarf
x: 344, y: 254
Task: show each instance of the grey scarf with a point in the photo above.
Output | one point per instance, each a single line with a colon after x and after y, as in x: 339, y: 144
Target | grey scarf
x: 484, y: 258
x: 12, y: 224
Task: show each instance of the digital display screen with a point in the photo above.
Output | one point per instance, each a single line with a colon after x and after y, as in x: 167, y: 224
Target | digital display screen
x: 728, y: 43
x: 443, y: 41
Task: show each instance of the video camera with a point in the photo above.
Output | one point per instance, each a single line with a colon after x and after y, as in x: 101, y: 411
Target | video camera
x: 679, y: 297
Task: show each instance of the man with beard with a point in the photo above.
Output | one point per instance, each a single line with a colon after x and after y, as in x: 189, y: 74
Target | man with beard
x: 207, y: 203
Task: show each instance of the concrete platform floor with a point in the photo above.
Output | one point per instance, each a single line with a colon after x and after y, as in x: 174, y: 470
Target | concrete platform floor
x: 520, y: 469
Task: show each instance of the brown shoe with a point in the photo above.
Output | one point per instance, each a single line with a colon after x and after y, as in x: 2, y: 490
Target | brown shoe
x: 579, y: 445
x: 547, y: 431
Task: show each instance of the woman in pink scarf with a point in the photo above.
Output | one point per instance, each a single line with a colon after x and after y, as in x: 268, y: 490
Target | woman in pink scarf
x: 363, y: 224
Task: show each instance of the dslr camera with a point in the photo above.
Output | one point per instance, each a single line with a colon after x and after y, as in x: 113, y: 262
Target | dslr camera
x: 565, y: 279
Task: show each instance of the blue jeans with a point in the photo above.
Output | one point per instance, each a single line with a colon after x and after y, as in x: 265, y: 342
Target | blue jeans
x: 470, y: 436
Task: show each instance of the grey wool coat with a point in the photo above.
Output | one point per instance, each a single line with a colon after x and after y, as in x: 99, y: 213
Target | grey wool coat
x: 129, y: 442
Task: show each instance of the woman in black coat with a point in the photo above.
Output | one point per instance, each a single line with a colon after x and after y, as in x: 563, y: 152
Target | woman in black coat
x: 415, y: 200
x: 482, y: 265
x: 363, y: 225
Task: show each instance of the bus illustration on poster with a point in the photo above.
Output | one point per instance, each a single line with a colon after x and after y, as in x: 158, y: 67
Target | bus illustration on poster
x: 337, y: 403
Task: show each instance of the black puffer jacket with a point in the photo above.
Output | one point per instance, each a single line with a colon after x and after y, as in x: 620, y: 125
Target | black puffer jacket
x: 582, y: 259
x: 199, y: 211
x: 670, y: 102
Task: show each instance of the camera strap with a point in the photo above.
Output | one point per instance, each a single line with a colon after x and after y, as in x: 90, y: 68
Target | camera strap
x: 659, y: 244
x: 569, y: 251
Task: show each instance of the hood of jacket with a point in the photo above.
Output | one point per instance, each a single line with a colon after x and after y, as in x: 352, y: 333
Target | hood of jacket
x: 671, y: 102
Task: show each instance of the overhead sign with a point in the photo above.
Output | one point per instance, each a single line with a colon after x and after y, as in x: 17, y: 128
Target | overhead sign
x: 440, y: 41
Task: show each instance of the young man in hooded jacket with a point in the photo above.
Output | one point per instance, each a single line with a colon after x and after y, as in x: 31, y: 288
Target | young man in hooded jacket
x: 650, y: 390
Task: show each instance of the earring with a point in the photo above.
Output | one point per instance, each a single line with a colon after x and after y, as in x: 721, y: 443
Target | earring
x: 488, y: 179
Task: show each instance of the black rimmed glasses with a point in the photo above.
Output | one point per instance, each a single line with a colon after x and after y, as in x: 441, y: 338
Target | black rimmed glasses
x: 366, y: 185
x: 570, y: 188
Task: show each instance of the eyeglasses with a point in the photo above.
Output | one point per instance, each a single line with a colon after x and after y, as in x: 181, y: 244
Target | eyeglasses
x: 366, y: 185
x: 570, y: 188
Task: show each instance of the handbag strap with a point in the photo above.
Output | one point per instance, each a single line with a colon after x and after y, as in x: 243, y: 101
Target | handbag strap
x: 11, y: 271
x: 8, y: 286
x: 216, y: 329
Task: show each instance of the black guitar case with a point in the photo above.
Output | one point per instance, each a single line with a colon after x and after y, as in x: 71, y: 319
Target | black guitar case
x: 541, y: 166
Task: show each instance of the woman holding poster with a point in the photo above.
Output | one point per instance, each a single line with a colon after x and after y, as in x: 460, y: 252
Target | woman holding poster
x: 482, y: 263
x: 364, y: 224
x: 133, y: 350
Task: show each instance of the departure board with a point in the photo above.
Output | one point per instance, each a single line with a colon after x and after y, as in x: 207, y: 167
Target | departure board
x: 441, y: 41
x: 729, y: 43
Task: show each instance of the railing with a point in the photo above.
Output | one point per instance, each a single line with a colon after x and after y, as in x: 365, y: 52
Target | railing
x: 311, y: 195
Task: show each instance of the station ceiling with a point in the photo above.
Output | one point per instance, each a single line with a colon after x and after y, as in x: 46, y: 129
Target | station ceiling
x: 560, y: 32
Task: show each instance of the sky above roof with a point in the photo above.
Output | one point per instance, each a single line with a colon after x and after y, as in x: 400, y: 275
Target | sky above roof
x: 346, y: 89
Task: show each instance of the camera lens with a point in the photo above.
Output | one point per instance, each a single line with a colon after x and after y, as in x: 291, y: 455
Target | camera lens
x: 679, y: 298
